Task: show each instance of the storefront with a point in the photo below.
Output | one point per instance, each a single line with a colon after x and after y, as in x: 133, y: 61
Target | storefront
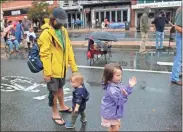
x: 74, y: 15
x: 120, y: 14
x: 168, y: 7
x: 114, y: 12
x: 17, y: 14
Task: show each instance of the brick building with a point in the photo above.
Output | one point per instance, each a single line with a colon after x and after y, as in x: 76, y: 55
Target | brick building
x: 16, y: 10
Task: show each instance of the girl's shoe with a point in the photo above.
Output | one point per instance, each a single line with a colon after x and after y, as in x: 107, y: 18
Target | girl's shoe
x: 68, y: 125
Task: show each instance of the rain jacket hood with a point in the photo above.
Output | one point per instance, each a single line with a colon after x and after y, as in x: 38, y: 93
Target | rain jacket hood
x: 146, y: 10
x: 54, y: 56
x: 46, y: 21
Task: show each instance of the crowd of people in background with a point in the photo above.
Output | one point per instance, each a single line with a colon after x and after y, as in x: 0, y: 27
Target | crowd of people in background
x: 18, y: 32
x: 76, y: 23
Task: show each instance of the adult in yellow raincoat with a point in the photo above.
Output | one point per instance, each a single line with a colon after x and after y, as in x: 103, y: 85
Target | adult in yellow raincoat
x: 56, y: 53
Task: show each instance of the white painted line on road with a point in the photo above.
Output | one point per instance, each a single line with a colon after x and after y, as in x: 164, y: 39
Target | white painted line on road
x: 165, y: 63
x: 135, y: 70
x: 40, y: 97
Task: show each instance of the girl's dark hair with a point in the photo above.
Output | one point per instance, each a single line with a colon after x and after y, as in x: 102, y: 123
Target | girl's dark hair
x: 109, y: 72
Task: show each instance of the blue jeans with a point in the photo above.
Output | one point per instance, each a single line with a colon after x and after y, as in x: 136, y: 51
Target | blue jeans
x: 176, y: 69
x: 159, y: 38
x: 11, y: 42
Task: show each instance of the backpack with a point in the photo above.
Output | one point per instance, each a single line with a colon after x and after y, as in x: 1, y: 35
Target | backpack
x: 34, y: 62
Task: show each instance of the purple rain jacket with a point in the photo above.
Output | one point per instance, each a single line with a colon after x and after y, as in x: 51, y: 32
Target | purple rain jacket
x: 113, y: 101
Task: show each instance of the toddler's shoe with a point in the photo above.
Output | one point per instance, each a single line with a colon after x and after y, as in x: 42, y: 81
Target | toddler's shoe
x: 68, y: 125
x: 83, y: 120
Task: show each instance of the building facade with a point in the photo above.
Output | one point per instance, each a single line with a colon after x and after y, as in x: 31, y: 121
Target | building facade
x: 168, y: 6
x: 16, y: 10
x: 114, y: 11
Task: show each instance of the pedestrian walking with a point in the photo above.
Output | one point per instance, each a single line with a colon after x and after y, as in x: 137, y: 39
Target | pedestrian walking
x: 159, y: 25
x: 78, y: 23
x: 115, y: 96
x: 176, y: 69
x: 144, y: 28
x: 106, y: 22
x: 26, y: 24
x: 56, y: 53
x: 19, y: 31
x: 79, y: 98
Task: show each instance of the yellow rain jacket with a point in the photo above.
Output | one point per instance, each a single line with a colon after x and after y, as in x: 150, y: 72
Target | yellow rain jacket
x: 46, y: 21
x: 55, y: 58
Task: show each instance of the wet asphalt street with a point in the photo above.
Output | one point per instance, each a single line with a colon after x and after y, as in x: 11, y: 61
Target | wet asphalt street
x: 155, y: 104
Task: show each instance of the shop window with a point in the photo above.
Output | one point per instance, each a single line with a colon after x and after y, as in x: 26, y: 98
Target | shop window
x: 118, y: 16
x: 113, y: 16
x: 168, y: 15
x: 78, y: 16
x: 96, y: 15
x: 69, y: 20
x: 108, y: 15
x: 73, y: 16
x: 75, y: 1
x: 151, y: 17
x: 141, y: 1
x: 149, y: 1
x: 139, y: 15
x: 158, y: 0
x: 125, y: 16
x: 168, y: 0
x: 102, y: 16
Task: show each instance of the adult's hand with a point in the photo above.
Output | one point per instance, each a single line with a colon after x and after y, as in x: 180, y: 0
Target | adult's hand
x: 47, y: 79
x: 178, y: 28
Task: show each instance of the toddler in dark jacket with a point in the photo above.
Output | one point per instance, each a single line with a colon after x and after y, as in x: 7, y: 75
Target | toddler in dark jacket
x: 80, y: 97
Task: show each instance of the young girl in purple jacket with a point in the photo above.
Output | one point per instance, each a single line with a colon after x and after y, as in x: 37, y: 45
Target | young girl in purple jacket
x: 115, y: 96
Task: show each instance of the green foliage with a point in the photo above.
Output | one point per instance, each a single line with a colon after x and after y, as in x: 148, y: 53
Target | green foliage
x: 38, y: 10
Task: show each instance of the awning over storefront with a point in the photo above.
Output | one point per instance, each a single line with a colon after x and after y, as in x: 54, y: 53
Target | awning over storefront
x: 13, y: 18
x: 158, y: 5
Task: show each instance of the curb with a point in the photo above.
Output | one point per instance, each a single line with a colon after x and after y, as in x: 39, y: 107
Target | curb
x: 119, y: 44
x: 127, y: 46
x: 88, y: 31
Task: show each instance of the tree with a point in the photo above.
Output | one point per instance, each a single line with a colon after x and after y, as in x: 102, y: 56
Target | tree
x: 38, y: 10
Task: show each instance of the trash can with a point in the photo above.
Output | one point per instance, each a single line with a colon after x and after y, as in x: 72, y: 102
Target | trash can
x: 127, y: 26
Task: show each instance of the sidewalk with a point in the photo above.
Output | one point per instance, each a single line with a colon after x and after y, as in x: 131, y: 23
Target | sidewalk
x: 132, y: 29
x: 119, y: 44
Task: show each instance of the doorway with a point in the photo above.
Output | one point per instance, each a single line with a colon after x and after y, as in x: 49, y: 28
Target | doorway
x: 88, y: 19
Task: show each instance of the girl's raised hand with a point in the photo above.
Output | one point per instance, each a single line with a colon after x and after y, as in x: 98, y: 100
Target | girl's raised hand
x: 132, y: 81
